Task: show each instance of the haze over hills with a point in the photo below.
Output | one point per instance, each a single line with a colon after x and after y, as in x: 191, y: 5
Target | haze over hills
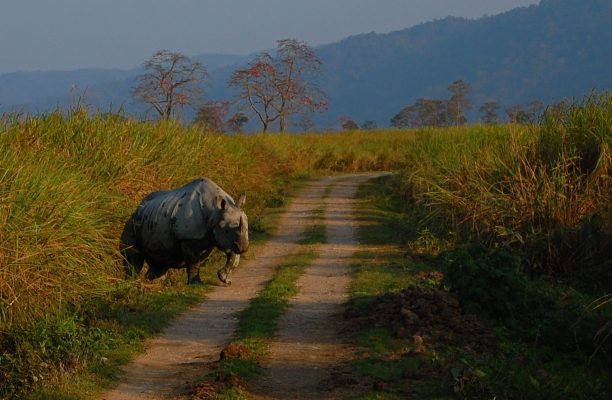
x: 556, y: 50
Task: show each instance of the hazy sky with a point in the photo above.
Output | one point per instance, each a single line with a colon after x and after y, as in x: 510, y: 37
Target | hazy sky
x: 71, y: 34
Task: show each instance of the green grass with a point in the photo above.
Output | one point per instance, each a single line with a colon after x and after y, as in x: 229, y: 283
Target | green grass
x: 544, y: 353
x: 384, y: 362
x: 112, y: 333
x: 258, y: 322
x: 385, y: 227
x: 542, y: 190
x: 257, y: 325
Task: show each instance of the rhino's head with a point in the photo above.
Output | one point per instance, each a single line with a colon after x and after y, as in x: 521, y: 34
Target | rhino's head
x: 232, y: 231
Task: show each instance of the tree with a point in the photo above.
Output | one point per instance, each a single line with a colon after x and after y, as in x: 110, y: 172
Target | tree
x: 424, y: 112
x: 257, y: 91
x: 348, y: 124
x: 369, y: 124
x: 531, y: 115
x: 489, y: 112
x: 279, y: 87
x: 170, y: 80
x: 517, y: 115
x: 535, y: 109
x: 237, y: 121
x: 298, y: 93
x: 211, y: 116
x: 459, y: 102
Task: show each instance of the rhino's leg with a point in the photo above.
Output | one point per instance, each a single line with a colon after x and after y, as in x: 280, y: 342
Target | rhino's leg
x: 193, y: 259
x: 156, y: 271
x: 232, y: 262
x: 133, y: 260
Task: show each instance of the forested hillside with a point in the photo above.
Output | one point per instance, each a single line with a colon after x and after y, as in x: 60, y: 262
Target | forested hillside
x: 558, y: 49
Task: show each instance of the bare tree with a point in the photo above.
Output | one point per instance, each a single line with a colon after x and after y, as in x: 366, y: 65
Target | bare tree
x: 298, y: 93
x: 278, y: 87
x: 170, y: 80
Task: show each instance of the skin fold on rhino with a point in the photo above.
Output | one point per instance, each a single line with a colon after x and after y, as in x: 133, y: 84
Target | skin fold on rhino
x: 180, y: 228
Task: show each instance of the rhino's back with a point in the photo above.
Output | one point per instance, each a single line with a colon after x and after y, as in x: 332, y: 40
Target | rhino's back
x: 186, y: 213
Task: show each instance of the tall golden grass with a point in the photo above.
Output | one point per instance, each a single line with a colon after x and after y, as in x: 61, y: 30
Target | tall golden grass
x: 543, y: 190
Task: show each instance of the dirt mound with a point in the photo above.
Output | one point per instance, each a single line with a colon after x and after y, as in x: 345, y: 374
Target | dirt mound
x: 425, y: 315
x: 220, y: 378
x: 235, y: 350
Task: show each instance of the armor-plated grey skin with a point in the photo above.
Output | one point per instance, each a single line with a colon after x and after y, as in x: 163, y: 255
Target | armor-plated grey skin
x: 180, y: 228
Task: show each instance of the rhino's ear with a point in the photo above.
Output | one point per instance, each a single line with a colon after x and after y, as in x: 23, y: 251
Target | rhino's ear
x: 220, y: 202
x: 241, y: 200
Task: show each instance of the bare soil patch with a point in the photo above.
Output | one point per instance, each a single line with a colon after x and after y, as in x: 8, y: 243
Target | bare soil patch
x: 426, y: 316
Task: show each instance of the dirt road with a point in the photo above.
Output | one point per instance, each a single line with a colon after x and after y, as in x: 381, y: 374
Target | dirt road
x: 308, y: 344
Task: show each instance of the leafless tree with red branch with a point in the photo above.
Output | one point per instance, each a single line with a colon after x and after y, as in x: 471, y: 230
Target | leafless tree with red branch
x: 277, y: 88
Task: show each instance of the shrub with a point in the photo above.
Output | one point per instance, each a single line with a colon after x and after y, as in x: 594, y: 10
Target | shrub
x: 486, y: 281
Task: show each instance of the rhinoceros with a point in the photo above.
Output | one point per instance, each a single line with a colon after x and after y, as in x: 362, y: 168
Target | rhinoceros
x: 180, y: 228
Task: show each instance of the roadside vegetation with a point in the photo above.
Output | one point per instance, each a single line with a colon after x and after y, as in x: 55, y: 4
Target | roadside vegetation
x: 503, y: 228
x: 498, y: 284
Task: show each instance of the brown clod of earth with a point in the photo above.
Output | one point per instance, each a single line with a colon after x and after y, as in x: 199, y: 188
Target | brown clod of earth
x: 235, y: 350
x: 426, y: 316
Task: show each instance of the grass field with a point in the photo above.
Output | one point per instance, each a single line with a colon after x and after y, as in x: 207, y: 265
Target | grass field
x: 496, y: 207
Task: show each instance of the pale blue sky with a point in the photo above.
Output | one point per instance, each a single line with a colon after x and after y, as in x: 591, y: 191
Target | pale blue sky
x: 71, y: 34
